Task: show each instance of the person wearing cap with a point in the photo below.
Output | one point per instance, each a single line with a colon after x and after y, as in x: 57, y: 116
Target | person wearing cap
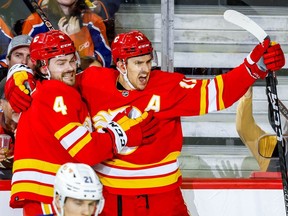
x: 18, y: 51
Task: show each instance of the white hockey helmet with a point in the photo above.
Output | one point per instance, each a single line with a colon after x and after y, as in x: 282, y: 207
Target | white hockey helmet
x: 78, y: 181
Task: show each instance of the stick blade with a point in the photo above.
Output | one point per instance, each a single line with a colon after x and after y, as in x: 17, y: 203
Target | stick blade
x: 246, y: 23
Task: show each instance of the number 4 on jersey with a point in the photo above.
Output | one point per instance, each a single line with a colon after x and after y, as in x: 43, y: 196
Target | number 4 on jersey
x: 59, y: 105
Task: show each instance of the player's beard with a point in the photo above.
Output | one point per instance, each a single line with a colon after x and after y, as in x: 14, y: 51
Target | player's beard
x: 69, y: 78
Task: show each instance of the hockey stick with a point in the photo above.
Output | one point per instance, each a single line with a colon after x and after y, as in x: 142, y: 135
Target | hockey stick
x: 271, y: 91
x: 246, y: 23
x: 34, y: 7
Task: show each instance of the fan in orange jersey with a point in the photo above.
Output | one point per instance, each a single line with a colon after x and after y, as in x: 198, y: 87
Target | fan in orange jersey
x: 84, y: 27
x: 106, y: 9
x: 140, y: 181
x: 57, y: 128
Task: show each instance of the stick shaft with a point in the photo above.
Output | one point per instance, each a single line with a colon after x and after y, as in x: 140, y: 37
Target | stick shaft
x: 249, y: 25
x: 275, y: 122
x: 34, y: 7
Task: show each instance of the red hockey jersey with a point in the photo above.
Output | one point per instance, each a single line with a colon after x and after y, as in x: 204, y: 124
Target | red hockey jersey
x: 154, y: 168
x: 54, y: 130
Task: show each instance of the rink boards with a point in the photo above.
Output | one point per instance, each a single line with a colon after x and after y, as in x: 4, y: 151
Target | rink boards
x: 206, y: 197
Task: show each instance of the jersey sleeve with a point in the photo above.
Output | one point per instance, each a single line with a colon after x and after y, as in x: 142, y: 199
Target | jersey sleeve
x: 67, y: 118
x: 182, y: 96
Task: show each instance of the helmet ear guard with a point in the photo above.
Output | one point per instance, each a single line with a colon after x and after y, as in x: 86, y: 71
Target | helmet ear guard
x: 154, y: 59
x: 100, y: 206
x: 78, y: 59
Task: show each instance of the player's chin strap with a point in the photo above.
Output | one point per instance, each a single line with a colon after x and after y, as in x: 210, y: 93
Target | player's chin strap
x: 125, y: 75
x: 61, y: 213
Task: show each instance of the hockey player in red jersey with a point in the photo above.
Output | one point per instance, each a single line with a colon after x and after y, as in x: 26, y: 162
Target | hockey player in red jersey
x: 57, y: 128
x: 141, y: 180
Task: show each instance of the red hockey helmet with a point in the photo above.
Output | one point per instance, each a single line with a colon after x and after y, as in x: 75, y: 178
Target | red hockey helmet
x: 49, y: 45
x: 131, y: 44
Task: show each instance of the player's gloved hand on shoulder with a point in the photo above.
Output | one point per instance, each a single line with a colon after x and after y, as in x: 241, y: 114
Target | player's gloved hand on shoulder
x: 20, y: 82
x: 255, y: 70
x: 133, y: 132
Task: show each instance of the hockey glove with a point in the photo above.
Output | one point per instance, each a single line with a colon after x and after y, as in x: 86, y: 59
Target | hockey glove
x: 257, y: 70
x: 274, y: 58
x: 20, y: 82
x: 133, y: 132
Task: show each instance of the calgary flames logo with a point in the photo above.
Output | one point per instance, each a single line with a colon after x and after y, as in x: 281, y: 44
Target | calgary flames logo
x: 102, y: 118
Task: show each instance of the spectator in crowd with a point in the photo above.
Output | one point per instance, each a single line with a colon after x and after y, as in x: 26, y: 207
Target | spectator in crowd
x: 106, y: 9
x: 251, y: 134
x: 18, y: 53
x: 7, y: 126
x: 140, y: 180
x: 84, y: 27
x: 57, y: 128
x: 77, y: 191
x: 18, y: 25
